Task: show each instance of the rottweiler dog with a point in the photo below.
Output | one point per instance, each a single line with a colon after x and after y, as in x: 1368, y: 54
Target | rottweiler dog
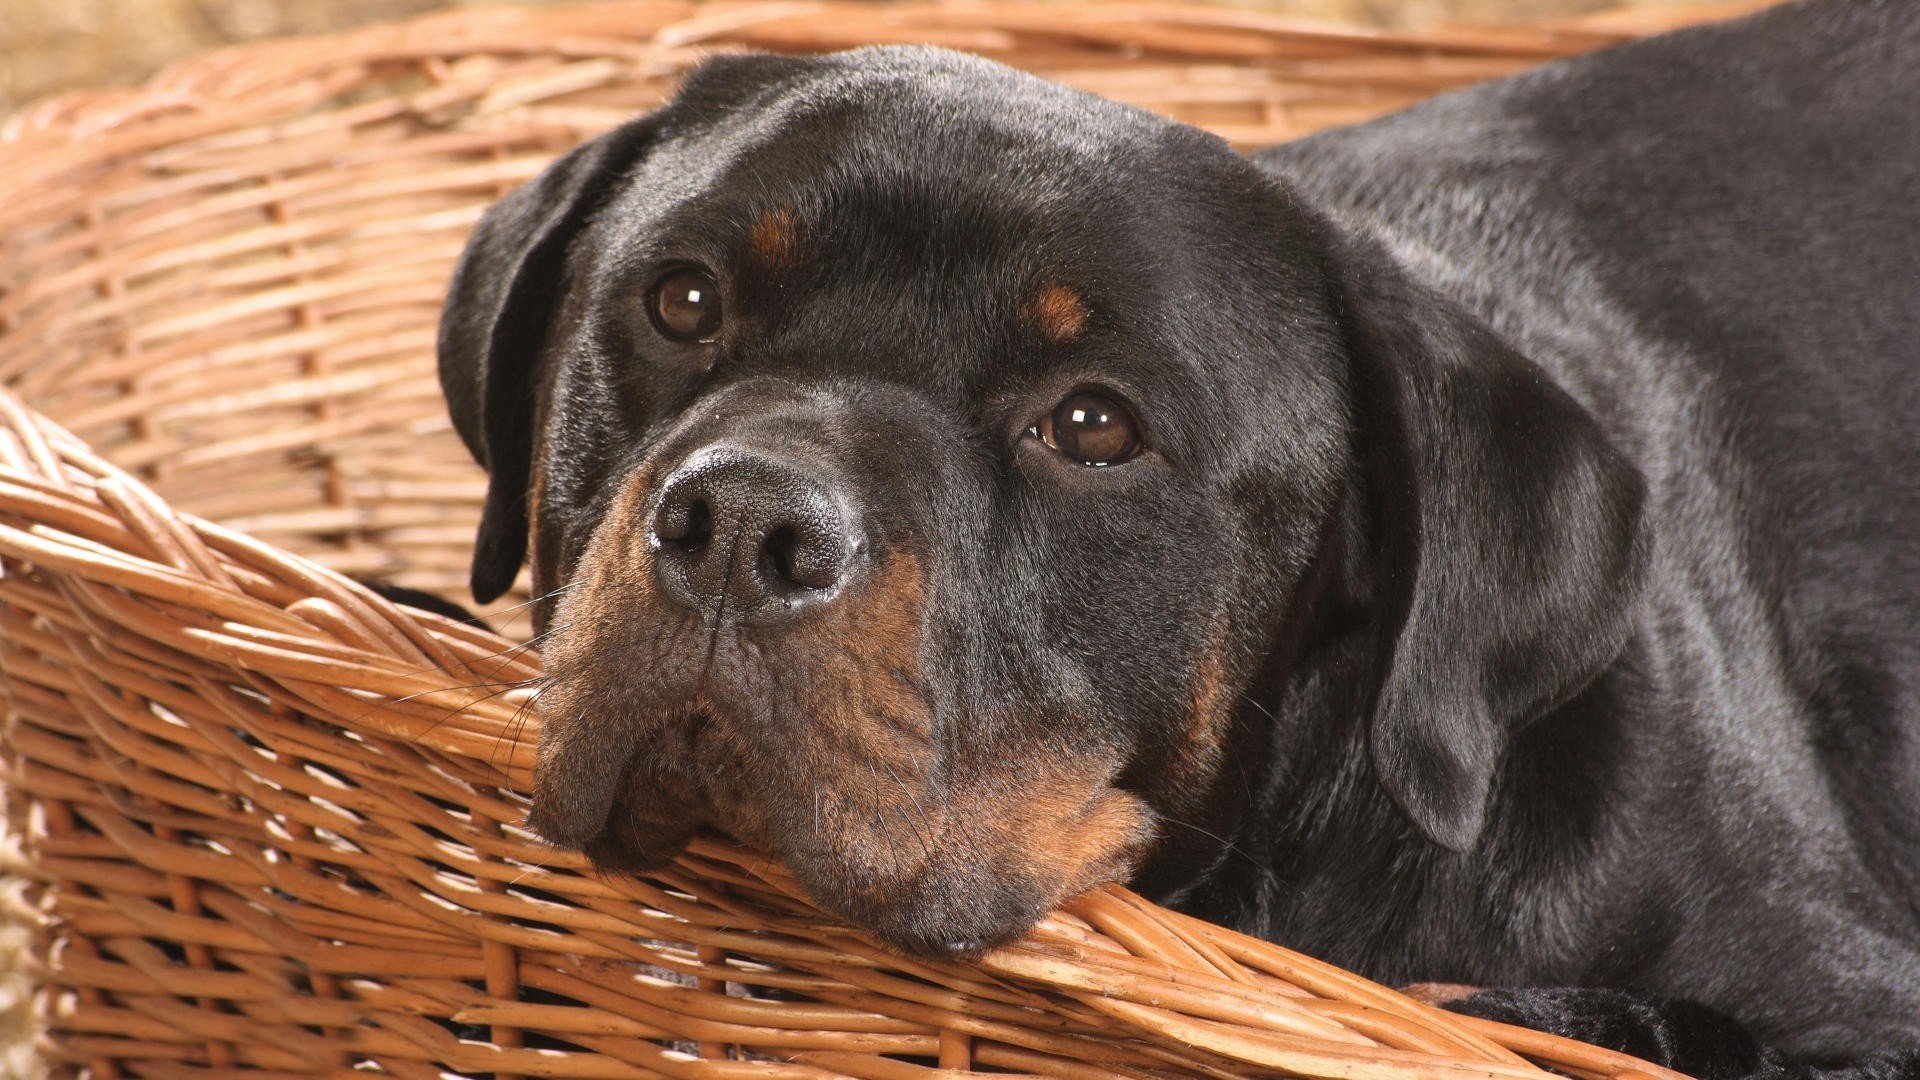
x: 1479, y: 546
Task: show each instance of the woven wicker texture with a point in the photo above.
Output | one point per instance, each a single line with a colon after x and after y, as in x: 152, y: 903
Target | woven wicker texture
x: 270, y: 820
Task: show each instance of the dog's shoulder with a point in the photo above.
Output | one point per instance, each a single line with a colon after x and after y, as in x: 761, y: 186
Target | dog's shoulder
x: 1712, y: 240
x: 1795, y: 130
x: 1736, y: 200
x: 1817, y: 86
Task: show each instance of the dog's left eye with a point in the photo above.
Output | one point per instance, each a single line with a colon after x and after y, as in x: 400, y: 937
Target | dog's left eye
x: 1091, y: 427
x: 685, y: 304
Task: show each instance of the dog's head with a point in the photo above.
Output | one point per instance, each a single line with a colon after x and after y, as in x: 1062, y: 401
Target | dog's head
x: 927, y: 468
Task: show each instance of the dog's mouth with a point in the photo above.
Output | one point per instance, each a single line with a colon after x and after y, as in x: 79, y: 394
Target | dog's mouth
x: 641, y: 828
x: 611, y: 798
x: 936, y: 869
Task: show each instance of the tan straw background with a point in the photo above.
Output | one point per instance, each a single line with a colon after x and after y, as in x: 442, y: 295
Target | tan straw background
x: 51, y: 45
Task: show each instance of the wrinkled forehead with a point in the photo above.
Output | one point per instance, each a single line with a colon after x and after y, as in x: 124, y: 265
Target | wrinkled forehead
x: 955, y: 205
x: 911, y: 159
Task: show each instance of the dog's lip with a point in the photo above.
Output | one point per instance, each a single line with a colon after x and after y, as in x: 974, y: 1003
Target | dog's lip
x: 559, y: 831
x: 580, y: 827
x: 923, y: 925
x: 571, y: 810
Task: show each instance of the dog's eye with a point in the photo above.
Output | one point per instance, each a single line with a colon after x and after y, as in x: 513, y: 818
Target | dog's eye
x: 685, y: 304
x: 1091, y: 427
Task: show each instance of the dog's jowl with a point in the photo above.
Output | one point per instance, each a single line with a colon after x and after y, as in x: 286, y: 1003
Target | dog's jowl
x: 1480, y: 547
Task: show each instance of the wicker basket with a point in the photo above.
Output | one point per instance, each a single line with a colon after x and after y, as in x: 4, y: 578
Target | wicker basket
x: 269, y: 822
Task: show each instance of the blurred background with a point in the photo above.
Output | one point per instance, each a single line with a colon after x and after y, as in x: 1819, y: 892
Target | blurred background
x: 51, y: 45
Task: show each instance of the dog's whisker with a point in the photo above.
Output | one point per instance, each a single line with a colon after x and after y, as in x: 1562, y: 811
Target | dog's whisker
x: 1233, y: 849
x: 505, y: 684
x: 1261, y: 709
x: 516, y: 609
x: 469, y: 662
x: 919, y: 825
x: 455, y: 711
x: 507, y: 655
x: 885, y: 820
x: 517, y: 725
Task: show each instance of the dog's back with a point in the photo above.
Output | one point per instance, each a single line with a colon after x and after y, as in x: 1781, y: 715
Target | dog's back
x: 1735, y: 207
x: 1712, y: 240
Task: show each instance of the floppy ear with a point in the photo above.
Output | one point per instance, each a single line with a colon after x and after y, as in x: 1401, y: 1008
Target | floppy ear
x: 1510, y: 529
x: 495, y: 320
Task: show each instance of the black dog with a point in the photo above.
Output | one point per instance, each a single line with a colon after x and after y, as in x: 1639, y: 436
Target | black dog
x: 1477, y: 546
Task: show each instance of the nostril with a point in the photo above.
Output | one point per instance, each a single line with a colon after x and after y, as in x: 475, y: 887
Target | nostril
x: 802, y: 560
x: 779, y: 553
x: 685, y: 525
x: 699, y: 527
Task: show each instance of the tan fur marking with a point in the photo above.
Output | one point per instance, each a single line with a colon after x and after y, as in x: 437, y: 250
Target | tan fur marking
x: 1212, y: 706
x: 774, y: 239
x: 1197, y: 755
x: 861, y: 657
x: 1059, y: 312
x: 536, y: 501
x: 1438, y: 993
x: 1082, y: 846
x: 867, y: 650
x: 613, y: 580
x: 1061, y: 823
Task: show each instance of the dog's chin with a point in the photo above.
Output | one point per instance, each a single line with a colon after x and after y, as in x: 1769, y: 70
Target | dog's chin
x: 942, y: 912
x: 617, y: 851
x: 632, y: 853
x: 954, y: 904
x: 945, y: 919
x: 963, y: 898
x: 948, y: 871
x: 632, y: 841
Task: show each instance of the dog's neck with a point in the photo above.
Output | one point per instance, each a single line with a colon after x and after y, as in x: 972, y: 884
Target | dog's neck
x: 1323, y: 861
x: 1303, y: 846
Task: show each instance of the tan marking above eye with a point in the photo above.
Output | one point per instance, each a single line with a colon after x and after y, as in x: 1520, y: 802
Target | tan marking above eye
x: 1058, y: 311
x: 774, y: 240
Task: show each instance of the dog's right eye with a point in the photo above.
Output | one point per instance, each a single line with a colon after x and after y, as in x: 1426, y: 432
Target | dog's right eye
x: 685, y: 304
x: 1092, y: 427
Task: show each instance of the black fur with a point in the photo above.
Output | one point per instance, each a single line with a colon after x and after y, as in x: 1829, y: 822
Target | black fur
x: 1534, y: 469
x: 425, y: 601
x: 488, y: 344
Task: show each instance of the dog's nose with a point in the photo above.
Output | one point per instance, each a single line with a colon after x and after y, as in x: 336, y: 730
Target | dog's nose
x: 748, y: 537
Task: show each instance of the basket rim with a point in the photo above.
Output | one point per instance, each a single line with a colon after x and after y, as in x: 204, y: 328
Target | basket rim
x: 224, y: 73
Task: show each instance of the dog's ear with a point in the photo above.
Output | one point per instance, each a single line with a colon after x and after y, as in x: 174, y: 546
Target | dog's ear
x: 508, y: 281
x: 494, y: 323
x: 1509, y: 537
